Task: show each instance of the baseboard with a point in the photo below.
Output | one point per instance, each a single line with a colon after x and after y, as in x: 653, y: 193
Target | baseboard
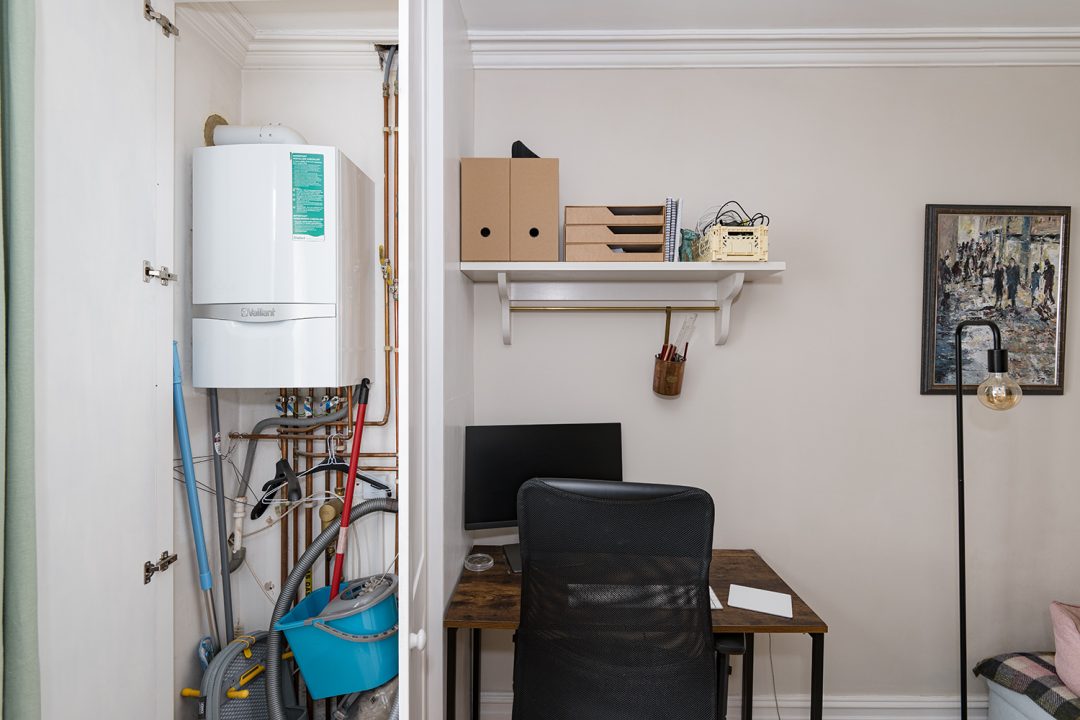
x: 498, y: 705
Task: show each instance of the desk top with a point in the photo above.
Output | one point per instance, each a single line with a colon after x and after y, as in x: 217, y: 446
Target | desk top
x: 491, y: 600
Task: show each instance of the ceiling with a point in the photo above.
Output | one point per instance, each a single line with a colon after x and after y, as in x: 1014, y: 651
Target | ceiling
x: 342, y: 16
x: 713, y: 15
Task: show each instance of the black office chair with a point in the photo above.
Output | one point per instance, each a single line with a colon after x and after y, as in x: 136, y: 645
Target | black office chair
x: 615, y: 619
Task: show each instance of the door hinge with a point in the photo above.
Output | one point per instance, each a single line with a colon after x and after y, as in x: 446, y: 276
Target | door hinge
x: 162, y: 273
x: 167, y: 26
x: 162, y: 564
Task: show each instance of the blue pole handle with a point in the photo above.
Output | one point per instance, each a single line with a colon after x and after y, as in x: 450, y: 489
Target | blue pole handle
x: 194, y: 509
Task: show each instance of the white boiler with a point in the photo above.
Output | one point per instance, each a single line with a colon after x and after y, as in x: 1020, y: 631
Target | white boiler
x: 283, y: 268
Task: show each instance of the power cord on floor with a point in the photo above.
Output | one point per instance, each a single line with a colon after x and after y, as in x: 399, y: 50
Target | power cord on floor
x: 772, y: 674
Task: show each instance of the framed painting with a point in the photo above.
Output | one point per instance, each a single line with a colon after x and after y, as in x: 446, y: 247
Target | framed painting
x: 1008, y: 264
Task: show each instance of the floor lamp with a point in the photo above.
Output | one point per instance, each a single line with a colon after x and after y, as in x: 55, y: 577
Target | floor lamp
x: 997, y: 392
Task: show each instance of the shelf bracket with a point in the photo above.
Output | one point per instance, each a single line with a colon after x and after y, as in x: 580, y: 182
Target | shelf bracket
x: 727, y: 289
x: 504, y: 306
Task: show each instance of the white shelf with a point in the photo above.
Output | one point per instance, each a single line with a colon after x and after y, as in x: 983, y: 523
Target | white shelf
x: 617, y: 271
x: 525, y: 286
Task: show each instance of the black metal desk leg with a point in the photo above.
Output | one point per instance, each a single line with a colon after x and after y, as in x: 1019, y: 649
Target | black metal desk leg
x: 451, y: 673
x: 474, y: 712
x: 817, y: 674
x: 748, y: 679
x: 723, y: 665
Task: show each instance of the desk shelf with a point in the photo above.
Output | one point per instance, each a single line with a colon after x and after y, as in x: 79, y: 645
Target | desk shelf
x: 618, y: 286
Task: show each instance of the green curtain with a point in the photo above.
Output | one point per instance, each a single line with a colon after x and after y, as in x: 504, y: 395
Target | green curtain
x: 21, y: 695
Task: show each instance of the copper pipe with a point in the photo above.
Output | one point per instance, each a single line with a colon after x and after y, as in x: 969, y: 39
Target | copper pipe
x: 296, y: 517
x: 386, y: 249
x: 397, y: 339
x: 309, y: 487
x: 284, y: 529
x: 386, y: 361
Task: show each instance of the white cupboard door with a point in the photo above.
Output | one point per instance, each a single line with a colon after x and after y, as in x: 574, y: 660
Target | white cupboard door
x: 104, y: 446
x: 415, y: 366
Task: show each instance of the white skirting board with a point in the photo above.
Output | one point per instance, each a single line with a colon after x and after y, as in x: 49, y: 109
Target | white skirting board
x: 497, y: 706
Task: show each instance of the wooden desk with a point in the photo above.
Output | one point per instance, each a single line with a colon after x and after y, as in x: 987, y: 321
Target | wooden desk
x: 491, y: 600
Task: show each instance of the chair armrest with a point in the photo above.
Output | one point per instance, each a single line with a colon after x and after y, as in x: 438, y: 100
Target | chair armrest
x: 730, y: 643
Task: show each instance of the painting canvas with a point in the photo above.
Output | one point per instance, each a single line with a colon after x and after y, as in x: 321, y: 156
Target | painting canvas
x: 1006, y: 264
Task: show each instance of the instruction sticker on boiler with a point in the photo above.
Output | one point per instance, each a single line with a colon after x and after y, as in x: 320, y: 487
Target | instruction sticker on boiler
x: 308, y: 197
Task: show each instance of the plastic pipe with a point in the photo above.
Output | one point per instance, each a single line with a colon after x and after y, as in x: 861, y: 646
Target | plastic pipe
x: 257, y: 135
x: 354, y: 460
x: 206, y: 582
x: 223, y: 536
x: 275, y: 706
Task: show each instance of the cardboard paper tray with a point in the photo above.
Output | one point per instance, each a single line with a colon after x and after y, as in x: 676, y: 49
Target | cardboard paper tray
x: 615, y: 215
x: 615, y: 252
x: 622, y: 234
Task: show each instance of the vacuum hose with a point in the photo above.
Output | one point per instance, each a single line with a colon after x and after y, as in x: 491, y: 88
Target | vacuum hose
x: 274, y: 702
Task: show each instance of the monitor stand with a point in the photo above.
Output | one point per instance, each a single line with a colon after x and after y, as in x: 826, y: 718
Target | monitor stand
x: 513, y: 557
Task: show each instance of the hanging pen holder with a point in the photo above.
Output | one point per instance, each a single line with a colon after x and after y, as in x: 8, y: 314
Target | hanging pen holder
x: 670, y: 363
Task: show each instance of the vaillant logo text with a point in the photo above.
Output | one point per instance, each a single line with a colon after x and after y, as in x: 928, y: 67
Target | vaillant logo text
x: 246, y: 312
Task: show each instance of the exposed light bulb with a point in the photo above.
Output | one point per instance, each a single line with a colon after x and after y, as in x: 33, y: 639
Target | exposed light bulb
x: 999, y: 391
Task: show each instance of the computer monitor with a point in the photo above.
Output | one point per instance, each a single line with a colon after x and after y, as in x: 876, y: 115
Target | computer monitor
x: 500, y: 458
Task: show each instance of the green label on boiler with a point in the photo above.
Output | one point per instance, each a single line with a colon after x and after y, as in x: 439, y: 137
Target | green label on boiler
x: 308, y: 198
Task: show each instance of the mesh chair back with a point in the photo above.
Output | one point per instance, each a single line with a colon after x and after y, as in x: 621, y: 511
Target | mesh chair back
x: 615, y: 619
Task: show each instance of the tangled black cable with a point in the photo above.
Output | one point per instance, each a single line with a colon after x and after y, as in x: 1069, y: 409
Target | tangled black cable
x: 730, y: 213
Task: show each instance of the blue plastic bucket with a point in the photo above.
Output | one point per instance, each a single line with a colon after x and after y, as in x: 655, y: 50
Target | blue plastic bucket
x: 348, y: 645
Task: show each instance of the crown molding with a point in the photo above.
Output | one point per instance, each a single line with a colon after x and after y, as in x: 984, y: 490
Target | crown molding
x: 317, y: 50
x: 221, y: 25
x: 224, y: 27
x: 921, y: 47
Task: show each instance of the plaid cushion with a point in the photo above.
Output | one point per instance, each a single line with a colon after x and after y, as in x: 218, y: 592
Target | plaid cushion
x: 1032, y: 674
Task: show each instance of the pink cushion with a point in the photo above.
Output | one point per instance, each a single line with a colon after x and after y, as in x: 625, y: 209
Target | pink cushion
x: 1066, y: 620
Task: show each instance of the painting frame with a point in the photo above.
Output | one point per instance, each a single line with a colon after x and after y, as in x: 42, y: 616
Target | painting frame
x: 933, y: 293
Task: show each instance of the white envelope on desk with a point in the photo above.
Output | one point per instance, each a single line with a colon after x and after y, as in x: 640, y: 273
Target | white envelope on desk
x: 765, y: 601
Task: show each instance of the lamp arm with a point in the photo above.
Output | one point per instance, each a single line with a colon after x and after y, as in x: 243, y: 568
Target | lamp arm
x: 959, y: 383
x: 978, y: 323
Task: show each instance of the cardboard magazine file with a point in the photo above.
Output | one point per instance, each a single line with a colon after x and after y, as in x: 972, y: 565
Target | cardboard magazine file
x: 534, y: 209
x: 485, y: 209
x: 509, y: 209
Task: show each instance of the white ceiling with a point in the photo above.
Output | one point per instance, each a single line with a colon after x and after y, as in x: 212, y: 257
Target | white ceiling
x: 342, y: 16
x: 706, y: 15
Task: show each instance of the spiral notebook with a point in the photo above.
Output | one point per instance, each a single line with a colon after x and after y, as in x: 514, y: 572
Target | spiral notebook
x: 672, y: 207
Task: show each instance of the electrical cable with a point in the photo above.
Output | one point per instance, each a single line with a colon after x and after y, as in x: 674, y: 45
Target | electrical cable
x: 730, y: 213
x: 258, y: 581
x: 772, y: 674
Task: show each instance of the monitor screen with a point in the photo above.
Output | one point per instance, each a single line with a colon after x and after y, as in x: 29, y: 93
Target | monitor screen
x: 500, y: 458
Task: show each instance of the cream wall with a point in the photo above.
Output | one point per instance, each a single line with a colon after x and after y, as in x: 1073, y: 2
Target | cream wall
x: 808, y: 427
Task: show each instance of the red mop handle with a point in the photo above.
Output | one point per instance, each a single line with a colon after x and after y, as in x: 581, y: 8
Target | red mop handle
x: 354, y: 463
